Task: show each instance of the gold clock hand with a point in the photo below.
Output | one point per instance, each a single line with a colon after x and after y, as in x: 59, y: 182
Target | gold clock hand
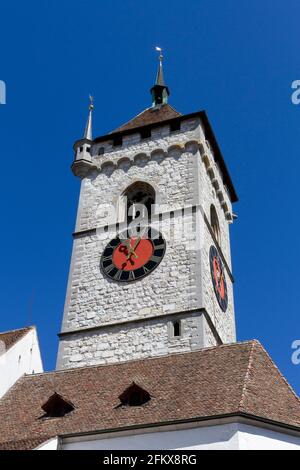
x: 132, y: 249
x: 131, y: 252
x: 220, y: 280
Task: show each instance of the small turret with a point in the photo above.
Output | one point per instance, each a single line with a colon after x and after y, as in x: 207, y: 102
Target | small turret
x: 82, y: 148
x: 159, y: 91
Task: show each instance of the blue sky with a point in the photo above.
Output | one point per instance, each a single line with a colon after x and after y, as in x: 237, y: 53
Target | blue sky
x: 234, y: 59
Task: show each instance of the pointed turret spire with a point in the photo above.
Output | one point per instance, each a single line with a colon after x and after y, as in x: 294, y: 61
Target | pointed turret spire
x: 88, y: 133
x: 159, y: 91
x: 160, y: 75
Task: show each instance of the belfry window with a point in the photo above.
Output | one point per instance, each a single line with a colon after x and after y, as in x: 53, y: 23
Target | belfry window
x: 134, y: 395
x: 214, y: 223
x: 140, y: 198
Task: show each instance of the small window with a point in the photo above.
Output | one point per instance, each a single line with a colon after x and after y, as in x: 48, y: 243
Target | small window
x: 175, y: 126
x: 214, y: 222
x: 176, y: 329
x: 57, y: 407
x: 134, y: 395
x: 101, y: 151
x: 117, y: 140
x: 146, y: 133
x: 88, y: 149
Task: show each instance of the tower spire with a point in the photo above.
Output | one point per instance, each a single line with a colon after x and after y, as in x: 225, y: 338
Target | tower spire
x: 159, y: 91
x: 88, y: 133
x: 160, y: 75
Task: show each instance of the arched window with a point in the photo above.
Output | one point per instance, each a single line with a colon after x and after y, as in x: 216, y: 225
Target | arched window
x: 140, y: 197
x: 214, y: 222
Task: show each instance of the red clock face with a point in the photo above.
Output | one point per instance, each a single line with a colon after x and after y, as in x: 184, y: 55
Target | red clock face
x: 218, y: 278
x: 132, y: 254
x: 128, y: 258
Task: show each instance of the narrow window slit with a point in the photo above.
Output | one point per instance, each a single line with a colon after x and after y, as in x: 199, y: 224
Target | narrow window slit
x: 176, y: 328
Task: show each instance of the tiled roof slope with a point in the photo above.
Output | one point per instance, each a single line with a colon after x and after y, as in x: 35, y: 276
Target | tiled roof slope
x: 229, y: 379
x: 150, y: 116
x: 12, y: 337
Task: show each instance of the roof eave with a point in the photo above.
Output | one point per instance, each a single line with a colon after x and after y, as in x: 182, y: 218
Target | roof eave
x: 233, y: 416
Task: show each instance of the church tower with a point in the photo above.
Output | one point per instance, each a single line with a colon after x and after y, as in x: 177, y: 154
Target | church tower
x: 151, y: 269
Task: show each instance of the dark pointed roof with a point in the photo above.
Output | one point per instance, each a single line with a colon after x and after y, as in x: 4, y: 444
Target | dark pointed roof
x: 159, y: 91
x: 10, y: 338
x: 150, y: 116
x: 232, y: 380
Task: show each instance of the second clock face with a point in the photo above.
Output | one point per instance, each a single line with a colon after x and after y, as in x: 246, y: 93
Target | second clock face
x: 128, y: 258
x: 218, y: 277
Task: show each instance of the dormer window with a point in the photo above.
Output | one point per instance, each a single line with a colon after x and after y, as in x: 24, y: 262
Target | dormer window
x: 134, y: 395
x: 57, y: 407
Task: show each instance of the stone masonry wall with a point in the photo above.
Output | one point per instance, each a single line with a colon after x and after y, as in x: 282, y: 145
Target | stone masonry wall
x: 134, y: 341
x: 223, y: 321
x: 96, y: 300
x: 172, y: 164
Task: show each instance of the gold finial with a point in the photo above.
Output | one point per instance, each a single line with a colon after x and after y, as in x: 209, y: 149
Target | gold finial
x: 159, y: 49
x: 91, y: 106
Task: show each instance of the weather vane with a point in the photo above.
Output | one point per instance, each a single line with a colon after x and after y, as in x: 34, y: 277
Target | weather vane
x: 91, y: 106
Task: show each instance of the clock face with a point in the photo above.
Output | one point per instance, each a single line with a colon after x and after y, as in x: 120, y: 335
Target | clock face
x: 128, y: 258
x: 218, y: 277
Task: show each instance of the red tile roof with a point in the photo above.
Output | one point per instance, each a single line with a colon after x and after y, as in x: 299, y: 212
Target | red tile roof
x: 150, y: 116
x: 12, y: 337
x: 230, y: 379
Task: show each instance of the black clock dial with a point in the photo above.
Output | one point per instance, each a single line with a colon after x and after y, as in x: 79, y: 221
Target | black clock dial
x: 130, y: 257
x: 218, y: 277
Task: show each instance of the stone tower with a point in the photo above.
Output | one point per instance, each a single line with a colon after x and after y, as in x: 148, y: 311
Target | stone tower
x: 141, y: 294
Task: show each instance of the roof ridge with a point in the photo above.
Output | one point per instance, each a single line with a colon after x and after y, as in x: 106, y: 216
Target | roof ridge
x: 247, y: 375
x: 180, y: 114
x: 17, y: 329
x: 59, y: 371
